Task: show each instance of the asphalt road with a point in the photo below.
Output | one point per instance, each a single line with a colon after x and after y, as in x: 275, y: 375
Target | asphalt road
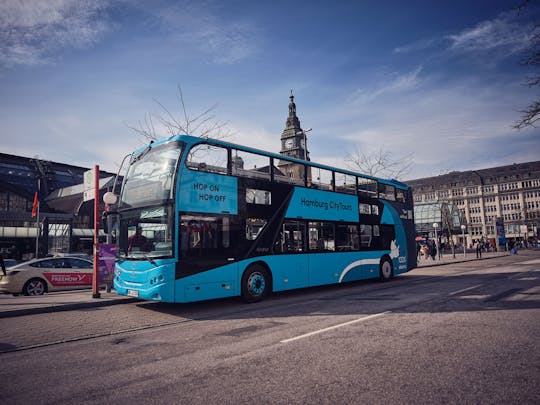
x: 461, y: 333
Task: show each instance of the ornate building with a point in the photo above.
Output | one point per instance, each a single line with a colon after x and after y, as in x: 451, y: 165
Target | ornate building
x: 293, y: 144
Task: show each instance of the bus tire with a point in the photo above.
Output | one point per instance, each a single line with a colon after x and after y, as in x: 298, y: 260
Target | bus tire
x: 386, y: 270
x: 256, y: 283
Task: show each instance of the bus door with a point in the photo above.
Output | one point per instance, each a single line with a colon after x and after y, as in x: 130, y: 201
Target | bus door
x: 290, y: 269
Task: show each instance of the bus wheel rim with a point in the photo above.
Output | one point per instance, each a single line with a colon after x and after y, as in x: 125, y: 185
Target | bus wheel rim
x: 386, y: 269
x: 256, y: 283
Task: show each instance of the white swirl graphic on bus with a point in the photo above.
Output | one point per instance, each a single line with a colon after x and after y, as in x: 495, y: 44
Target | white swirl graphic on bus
x: 394, y: 252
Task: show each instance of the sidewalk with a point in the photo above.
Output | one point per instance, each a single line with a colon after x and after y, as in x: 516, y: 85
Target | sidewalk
x: 69, y: 300
x: 59, y: 301
x: 447, y: 258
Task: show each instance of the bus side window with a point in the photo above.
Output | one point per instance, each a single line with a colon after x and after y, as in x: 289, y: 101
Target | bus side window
x: 207, y: 158
x: 323, y: 179
x: 345, y: 183
x: 291, y: 238
x: 387, y: 192
x: 252, y: 165
x: 400, y: 195
x: 367, y: 187
x: 346, y: 238
x: 365, y: 236
x: 321, y: 236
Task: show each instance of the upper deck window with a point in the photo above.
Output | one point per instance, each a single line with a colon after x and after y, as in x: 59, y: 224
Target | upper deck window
x: 208, y: 158
x: 253, y: 165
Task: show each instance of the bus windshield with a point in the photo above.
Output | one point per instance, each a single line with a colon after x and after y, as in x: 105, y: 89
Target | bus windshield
x: 150, y: 177
x: 146, y: 233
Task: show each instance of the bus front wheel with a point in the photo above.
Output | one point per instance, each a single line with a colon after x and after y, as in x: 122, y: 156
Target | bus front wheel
x: 255, y: 283
x: 386, y: 271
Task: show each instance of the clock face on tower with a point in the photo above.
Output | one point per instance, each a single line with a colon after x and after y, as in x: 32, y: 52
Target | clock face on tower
x: 289, y: 143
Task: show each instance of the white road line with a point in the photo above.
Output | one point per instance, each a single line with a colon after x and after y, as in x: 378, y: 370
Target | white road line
x: 466, y: 289
x: 334, y: 327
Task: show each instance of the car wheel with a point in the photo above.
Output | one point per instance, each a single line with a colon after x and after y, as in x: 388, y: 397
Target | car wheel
x: 255, y: 283
x: 35, y: 286
x: 386, y: 271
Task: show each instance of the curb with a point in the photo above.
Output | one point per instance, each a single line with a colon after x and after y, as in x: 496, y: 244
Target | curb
x: 66, y: 307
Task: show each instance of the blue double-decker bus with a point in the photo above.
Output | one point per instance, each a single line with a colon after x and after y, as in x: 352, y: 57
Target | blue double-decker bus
x: 201, y: 219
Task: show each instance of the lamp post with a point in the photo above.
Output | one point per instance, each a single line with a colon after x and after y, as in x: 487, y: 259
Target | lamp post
x: 303, y: 133
x: 435, y: 226
x: 464, y: 243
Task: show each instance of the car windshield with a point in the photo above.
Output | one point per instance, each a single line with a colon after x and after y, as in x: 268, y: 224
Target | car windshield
x: 150, y: 177
x: 146, y: 233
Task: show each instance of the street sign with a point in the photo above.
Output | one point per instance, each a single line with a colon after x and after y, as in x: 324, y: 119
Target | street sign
x: 88, y: 184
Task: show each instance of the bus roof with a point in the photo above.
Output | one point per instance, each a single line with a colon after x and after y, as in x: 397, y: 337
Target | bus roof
x: 192, y: 140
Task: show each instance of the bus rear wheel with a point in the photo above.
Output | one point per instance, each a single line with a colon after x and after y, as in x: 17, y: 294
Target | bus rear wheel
x: 386, y: 270
x: 255, y: 283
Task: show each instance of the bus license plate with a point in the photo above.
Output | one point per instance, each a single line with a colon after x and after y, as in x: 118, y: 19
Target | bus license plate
x: 133, y: 293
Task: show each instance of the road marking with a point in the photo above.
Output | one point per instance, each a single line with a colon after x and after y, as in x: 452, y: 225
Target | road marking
x: 465, y: 289
x: 534, y: 261
x: 316, y: 332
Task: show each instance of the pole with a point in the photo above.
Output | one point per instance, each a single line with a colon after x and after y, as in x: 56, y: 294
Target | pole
x: 37, y: 220
x: 464, y: 242
x: 95, y: 277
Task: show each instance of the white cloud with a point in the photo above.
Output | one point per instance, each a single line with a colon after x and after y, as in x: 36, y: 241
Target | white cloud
x: 503, y: 33
x: 200, y: 27
x: 388, y: 85
x: 32, y: 31
x: 443, y: 126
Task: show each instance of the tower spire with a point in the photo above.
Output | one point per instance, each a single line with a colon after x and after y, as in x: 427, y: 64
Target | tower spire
x: 293, y: 143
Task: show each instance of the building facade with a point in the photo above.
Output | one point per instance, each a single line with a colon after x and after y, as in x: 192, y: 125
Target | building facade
x: 64, y: 222
x: 506, y: 194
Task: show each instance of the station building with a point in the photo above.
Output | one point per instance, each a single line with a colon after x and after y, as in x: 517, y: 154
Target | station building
x: 505, y: 195
x: 65, y: 222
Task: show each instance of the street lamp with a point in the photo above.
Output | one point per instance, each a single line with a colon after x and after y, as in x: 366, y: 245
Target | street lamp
x: 303, y: 133
x: 435, y: 226
x: 464, y: 243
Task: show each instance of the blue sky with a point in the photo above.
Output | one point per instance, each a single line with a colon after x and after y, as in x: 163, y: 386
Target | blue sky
x: 438, y: 81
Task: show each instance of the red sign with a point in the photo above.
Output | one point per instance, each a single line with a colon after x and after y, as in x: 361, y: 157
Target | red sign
x: 69, y: 279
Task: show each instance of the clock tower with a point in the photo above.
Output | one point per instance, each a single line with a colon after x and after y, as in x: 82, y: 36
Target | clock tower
x: 293, y: 144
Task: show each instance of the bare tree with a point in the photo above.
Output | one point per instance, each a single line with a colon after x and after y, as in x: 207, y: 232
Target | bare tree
x: 203, y: 124
x: 380, y: 163
x: 531, y: 114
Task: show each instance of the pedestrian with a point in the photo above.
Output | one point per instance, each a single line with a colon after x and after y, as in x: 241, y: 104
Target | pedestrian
x: 478, y: 246
x: 432, y: 249
x: 2, y: 264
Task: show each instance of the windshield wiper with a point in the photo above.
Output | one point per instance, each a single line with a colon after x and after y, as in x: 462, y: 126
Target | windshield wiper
x: 141, y: 155
x: 149, y: 259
